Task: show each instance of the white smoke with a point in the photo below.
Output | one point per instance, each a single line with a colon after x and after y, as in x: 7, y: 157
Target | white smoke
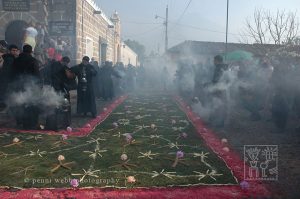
x: 209, y: 105
x: 187, y: 82
x: 121, y: 73
x: 203, y: 110
x: 33, y: 94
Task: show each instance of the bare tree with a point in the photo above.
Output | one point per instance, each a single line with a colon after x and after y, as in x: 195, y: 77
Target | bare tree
x: 293, y: 28
x: 277, y: 25
x: 258, y: 30
x: 281, y: 28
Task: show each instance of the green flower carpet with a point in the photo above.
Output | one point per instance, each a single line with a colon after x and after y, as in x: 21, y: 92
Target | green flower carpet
x: 148, y: 146
x: 146, y: 142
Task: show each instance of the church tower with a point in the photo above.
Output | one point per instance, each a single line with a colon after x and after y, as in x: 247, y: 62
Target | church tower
x: 117, y: 36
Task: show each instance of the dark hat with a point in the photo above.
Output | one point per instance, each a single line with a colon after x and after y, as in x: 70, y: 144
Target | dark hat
x: 66, y: 59
x: 218, y: 58
x: 86, y: 58
x: 27, y: 48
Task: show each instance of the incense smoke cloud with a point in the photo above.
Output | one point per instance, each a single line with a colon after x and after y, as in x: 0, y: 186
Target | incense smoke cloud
x: 33, y: 95
x: 255, y: 78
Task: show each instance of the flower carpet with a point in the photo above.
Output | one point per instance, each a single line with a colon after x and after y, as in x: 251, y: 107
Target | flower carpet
x: 141, y: 146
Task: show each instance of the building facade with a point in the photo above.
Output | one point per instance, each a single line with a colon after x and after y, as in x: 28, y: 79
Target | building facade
x: 128, y: 56
x: 72, y: 28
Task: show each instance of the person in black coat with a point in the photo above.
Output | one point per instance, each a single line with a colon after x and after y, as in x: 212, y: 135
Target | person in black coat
x: 220, y: 68
x: 280, y: 111
x: 85, y: 73
x: 106, y: 74
x: 61, y: 80
x: 282, y: 99
x: 5, y: 71
x: 25, y: 72
x: 218, y: 116
x: 96, y: 80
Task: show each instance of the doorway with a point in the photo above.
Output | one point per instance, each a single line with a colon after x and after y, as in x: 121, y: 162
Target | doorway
x: 15, y: 32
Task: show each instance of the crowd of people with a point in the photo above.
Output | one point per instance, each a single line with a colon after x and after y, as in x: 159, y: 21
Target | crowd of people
x: 263, y: 84
x: 21, y: 73
x: 45, y: 47
x: 258, y: 85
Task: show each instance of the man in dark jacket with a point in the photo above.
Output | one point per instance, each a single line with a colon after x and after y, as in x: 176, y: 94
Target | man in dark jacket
x: 131, y: 77
x: 96, y: 79
x: 106, y: 74
x: 220, y: 67
x: 25, y: 72
x: 5, y: 71
x: 218, y: 115
x: 85, y: 72
x: 25, y: 65
x: 61, y: 79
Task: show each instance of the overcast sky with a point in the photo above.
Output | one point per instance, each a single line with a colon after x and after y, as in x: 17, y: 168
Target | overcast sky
x: 203, y: 20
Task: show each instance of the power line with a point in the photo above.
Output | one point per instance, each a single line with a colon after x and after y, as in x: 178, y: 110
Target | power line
x: 178, y: 20
x: 139, y: 22
x: 202, y: 29
x: 209, y: 30
x: 184, y: 11
x: 143, y: 33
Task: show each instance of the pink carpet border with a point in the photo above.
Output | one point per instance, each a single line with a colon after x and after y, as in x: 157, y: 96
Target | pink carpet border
x: 232, y: 159
x: 78, y: 132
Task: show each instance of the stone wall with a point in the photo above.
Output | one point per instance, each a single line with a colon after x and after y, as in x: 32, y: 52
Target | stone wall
x: 35, y: 14
x: 95, y: 27
x: 91, y: 33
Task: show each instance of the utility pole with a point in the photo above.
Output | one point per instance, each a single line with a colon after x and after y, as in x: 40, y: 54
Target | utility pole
x: 166, y: 24
x: 226, y: 29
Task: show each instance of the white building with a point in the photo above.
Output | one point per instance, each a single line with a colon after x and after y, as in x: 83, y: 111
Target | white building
x: 128, y: 56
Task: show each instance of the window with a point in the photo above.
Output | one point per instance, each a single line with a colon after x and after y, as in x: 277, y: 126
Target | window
x: 89, y: 51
